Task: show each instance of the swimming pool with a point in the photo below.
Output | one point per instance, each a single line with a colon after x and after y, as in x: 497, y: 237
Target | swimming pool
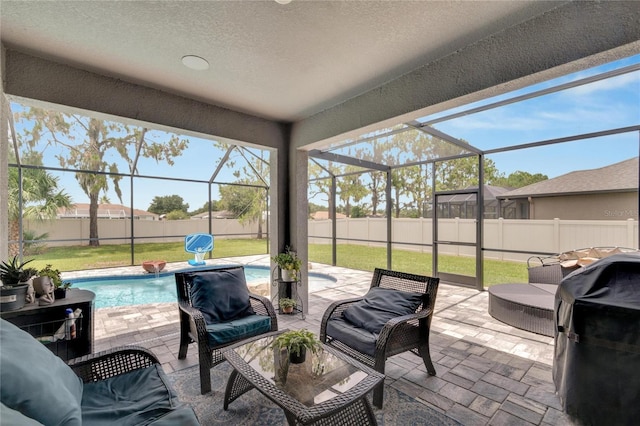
x: 112, y: 291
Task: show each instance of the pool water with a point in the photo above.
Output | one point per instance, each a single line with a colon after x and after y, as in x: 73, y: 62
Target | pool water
x: 143, y: 289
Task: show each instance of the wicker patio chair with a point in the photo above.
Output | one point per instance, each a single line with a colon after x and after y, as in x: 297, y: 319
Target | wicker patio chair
x: 408, y: 332
x: 545, y: 270
x: 197, y: 326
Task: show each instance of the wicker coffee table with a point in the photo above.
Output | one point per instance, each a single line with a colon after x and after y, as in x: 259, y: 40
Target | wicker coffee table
x: 329, y: 388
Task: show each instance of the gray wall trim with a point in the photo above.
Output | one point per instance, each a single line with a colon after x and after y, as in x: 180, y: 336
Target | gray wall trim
x: 4, y: 161
x: 40, y: 79
x: 572, y: 37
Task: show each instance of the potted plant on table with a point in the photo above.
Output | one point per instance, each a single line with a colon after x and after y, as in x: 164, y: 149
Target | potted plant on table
x: 15, y: 283
x: 289, y: 264
x: 287, y: 305
x: 296, y: 343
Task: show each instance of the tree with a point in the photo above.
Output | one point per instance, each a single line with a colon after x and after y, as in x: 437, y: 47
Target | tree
x: 246, y: 203
x: 177, y: 215
x: 350, y: 187
x: 462, y: 173
x: 518, y: 179
x: 358, y: 211
x: 167, y: 203
x: 215, y: 206
x: 99, y: 142
x: 41, y: 197
x: 248, y: 199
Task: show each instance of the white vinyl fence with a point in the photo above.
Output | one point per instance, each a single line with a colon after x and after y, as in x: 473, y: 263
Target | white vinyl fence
x: 145, y: 231
x: 543, y: 236
x: 537, y: 236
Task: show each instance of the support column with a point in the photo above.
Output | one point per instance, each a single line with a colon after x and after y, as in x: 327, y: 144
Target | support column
x: 4, y: 169
x: 279, y: 215
x: 299, y: 205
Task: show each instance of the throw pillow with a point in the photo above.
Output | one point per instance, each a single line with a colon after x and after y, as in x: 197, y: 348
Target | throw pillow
x: 35, y: 381
x: 221, y: 295
x: 379, y: 306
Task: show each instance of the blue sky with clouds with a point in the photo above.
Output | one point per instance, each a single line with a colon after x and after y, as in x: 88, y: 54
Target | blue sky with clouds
x: 598, y: 106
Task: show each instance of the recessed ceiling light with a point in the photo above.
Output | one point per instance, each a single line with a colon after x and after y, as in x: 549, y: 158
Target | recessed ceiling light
x: 283, y: 1
x: 195, y: 62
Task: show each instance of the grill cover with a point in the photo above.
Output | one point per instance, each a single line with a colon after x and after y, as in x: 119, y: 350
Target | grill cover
x: 596, y: 366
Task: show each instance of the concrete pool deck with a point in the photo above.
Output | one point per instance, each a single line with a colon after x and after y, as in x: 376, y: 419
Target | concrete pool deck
x: 487, y: 371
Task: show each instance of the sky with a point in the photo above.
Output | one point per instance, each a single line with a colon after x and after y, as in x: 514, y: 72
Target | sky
x: 603, y: 105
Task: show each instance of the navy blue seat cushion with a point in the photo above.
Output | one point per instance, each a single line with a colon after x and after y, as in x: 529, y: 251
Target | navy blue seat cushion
x: 380, y: 305
x: 355, y: 337
x: 183, y: 416
x: 221, y: 295
x: 36, y: 382
x: 241, y: 328
x: 134, y: 398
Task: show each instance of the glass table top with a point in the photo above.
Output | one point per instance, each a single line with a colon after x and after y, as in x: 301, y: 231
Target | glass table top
x: 320, y: 378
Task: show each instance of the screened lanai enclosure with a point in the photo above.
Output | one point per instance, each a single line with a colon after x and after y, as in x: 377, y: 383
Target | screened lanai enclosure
x: 80, y: 179
x: 467, y: 194
x: 470, y: 193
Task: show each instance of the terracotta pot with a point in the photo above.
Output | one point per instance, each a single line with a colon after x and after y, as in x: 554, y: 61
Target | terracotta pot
x: 287, y: 310
x: 153, y: 266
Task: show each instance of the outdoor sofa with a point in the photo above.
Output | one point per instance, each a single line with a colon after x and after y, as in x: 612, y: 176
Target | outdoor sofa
x: 530, y: 306
x: 123, y: 386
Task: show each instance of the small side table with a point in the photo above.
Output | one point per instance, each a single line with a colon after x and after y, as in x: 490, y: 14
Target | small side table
x: 42, y: 321
x: 288, y: 289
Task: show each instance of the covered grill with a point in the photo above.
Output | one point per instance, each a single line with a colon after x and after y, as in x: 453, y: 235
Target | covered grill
x: 596, y: 367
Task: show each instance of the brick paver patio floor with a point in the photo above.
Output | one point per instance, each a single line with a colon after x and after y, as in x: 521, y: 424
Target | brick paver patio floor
x: 487, y: 371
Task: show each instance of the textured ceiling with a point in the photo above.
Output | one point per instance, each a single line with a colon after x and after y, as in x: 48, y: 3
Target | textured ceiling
x: 281, y: 62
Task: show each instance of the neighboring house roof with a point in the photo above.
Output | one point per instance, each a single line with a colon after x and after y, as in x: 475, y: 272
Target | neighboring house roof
x: 324, y: 215
x: 618, y: 177
x: 490, y: 193
x: 111, y: 211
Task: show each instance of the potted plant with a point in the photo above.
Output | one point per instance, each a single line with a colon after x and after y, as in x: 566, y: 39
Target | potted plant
x: 296, y: 343
x: 14, y: 277
x: 287, y: 305
x: 49, y: 274
x: 289, y: 264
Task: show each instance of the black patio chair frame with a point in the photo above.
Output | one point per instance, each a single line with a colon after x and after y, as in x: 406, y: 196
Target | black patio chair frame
x: 401, y: 334
x: 193, y: 326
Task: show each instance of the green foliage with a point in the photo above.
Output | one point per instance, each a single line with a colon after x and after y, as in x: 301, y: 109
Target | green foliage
x: 358, y: 211
x: 13, y: 271
x: 177, y: 215
x: 285, y: 302
x: 215, y: 206
x: 288, y: 261
x: 247, y: 199
x: 293, y: 341
x: 30, y: 246
x: 54, y: 275
x: 168, y: 203
x: 518, y: 179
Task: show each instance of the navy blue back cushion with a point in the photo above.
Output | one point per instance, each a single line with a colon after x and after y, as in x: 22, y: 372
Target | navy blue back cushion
x: 221, y: 295
x: 379, y: 306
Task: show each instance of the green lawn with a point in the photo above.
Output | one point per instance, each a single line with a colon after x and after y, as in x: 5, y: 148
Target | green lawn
x: 348, y: 256
x: 367, y: 258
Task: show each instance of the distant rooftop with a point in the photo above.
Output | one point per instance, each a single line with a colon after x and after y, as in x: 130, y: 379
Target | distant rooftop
x: 618, y: 177
x: 108, y: 211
